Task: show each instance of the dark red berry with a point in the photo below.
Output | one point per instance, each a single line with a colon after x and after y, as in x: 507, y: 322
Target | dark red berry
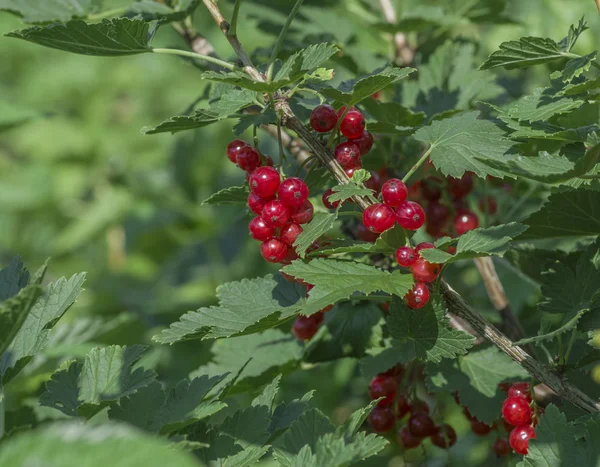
x: 234, y: 148
x: 293, y: 192
x: 520, y: 390
x: 465, y: 221
x: 275, y: 213
x: 291, y: 256
x: 266, y: 161
x: 424, y: 246
x: 501, y: 447
x: 264, y: 182
x: 248, y: 158
x: 407, y: 439
x: 492, y: 206
x: 431, y: 189
x: 328, y: 204
x: 419, y: 406
x: 460, y: 187
x: 403, y: 406
x: 421, y: 425
x: 383, y: 386
x: 519, y: 438
x: 353, y: 124
x: 424, y: 271
x: 418, y: 296
x: 350, y: 170
x: 437, y: 214
x: 303, y: 214
x: 323, y: 118
x: 410, y: 215
x: 260, y: 230
x: 257, y: 204
x: 347, y: 154
x: 444, y: 437
x: 394, y: 192
x: 375, y: 182
x: 274, y: 250
x: 406, y: 256
x: 364, y: 142
x: 305, y: 327
x: 378, y: 218
x: 342, y: 109
x: 289, y: 233
x: 516, y: 411
x: 382, y: 419
x: 364, y: 234
x: 480, y: 428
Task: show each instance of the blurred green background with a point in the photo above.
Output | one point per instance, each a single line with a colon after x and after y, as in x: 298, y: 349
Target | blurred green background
x: 79, y: 183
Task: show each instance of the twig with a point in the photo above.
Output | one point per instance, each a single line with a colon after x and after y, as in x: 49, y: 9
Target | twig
x: 455, y: 302
x: 402, y: 51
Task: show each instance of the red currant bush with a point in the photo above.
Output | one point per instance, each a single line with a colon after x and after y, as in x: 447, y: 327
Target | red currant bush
x: 424, y: 271
x: 305, y: 327
x: 303, y: 213
x: 328, y: 204
x: 421, y: 425
x: 501, y: 447
x: 289, y: 233
x: 364, y: 142
x: 407, y: 439
x: 248, y: 158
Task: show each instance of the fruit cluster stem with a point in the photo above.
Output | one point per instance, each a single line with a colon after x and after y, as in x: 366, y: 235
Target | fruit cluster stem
x: 456, y: 304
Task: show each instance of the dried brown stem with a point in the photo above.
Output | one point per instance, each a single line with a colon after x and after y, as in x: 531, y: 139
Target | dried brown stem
x: 456, y: 304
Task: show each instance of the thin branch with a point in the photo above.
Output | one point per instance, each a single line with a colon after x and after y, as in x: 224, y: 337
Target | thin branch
x: 206, y: 58
x: 234, y: 18
x: 598, y: 5
x: 282, y: 34
x: 455, y: 302
x: 402, y: 51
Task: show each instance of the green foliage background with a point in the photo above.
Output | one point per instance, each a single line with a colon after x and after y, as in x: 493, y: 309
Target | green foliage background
x: 81, y: 184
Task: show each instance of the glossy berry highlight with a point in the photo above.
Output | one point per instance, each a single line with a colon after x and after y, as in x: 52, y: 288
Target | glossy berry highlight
x: 234, y: 148
x: 353, y: 124
x: 293, y: 192
x: 347, y: 154
x: 260, y: 230
x: 275, y: 213
x: 465, y: 221
x: 418, y: 296
x: 274, y: 250
x: 410, y: 215
x: 423, y: 271
x: 519, y: 438
x: 394, y: 192
x: 264, y: 182
x: 406, y: 256
x: 378, y: 218
x: 516, y: 411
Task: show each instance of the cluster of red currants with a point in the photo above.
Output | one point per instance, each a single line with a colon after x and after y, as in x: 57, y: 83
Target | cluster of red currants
x: 390, y: 409
x: 281, y: 206
x: 423, y: 272
x: 519, y: 410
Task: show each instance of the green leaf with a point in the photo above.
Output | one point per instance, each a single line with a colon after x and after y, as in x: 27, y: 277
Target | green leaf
x: 246, y: 307
x: 381, y: 359
x: 337, y: 280
x: 459, y: 143
x: 267, y: 397
x: 351, y: 93
x: 47, y: 11
x: 153, y: 409
x: 542, y: 105
x: 425, y: 332
x: 266, y: 117
x: 388, y: 242
x: 12, y: 279
x: 34, y: 334
x: 320, y: 224
x: 110, y: 38
x: 566, y: 214
x: 237, y: 195
x: 287, y: 412
x: 525, y: 52
x: 248, y: 426
x: 354, y: 187
x: 152, y: 10
x: 577, y: 66
x: 348, y: 331
x: 77, y: 445
x: 14, y: 312
x: 555, y: 443
x: 392, y: 118
x: 355, y: 420
x: 305, y: 431
x: 477, y: 243
x: 574, y: 32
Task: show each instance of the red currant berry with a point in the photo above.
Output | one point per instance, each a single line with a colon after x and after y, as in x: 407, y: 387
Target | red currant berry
x: 424, y: 271
x: 234, y: 148
x: 303, y: 214
x: 403, y: 406
x: 323, y: 118
x: 328, y: 204
x: 289, y: 233
x: 342, y: 109
x: 383, y: 386
x: 406, y: 256
x: 257, y: 204
x: 465, y: 221
x: 519, y: 438
x: 418, y: 296
x: 264, y: 182
x: 350, y: 170
x: 364, y: 234
x: 347, y: 154
x: 424, y: 246
x: 375, y: 182
x: 274, y: 250
x: 480, y: 428
x: 378, y: 218
x: 364, y: 142
x: 353, y: 124
x: 407, y: 439
x: 248, y: 158
x: 444, y: 437
x: 460, y: 187
x: 266, y: 161
x: 431, y: 189
x: 394, y: 192
x: 293, y: 192
x: 421, y: 425
x: 275, y: 213
x: 501, y: 447
x: 420, y: 406
x: 520, y: 390
x: 291, y: 256
x: 437, y: 214
x: 382, y: 419
x: 410, y: 215
x: 260, y: 230
x: 516, y: 411
x: 492, y: 206
x: 305, y: 327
